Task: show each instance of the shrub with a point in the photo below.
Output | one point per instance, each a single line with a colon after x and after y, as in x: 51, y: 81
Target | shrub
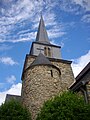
x: 13, y: 110
x: 66, y: 106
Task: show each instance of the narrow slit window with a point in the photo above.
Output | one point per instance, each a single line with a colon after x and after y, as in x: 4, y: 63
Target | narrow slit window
x: 49, y: 52
x: 45, y: 51
x: 51, y: 73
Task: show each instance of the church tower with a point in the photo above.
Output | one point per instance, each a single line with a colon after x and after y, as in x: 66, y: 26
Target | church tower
x: 43, y: 45
x: 45, y: 73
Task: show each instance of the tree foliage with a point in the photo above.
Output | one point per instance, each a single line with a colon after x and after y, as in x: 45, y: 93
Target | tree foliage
x: 13, y: 110
x: 66, y: 106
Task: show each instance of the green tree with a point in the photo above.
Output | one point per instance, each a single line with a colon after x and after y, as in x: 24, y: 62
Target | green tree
x: 13, y: 110
x: 66, y: 106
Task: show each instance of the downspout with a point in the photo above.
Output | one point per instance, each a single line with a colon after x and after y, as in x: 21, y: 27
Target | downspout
x: 85, y: 95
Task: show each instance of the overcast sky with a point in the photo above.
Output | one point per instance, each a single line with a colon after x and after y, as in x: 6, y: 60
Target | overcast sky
x: 67, y: 23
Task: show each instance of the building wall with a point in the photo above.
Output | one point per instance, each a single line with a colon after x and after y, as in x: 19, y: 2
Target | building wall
x: 88, y: 91
x: 67, y: 75
x: 39, y: 85
x: 65, y: 68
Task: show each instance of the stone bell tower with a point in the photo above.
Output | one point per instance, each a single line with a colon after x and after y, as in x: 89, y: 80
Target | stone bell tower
x: 45, y: 73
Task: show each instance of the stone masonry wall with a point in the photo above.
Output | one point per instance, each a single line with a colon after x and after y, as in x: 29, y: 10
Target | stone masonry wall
x: 39, y: 84
x: 67, y: 75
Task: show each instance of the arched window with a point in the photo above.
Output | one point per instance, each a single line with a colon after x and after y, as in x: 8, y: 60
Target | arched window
x: 45, y: 51
x: 49, y: 52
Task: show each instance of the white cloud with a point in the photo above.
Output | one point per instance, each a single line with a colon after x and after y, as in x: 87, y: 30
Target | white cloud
x: 7, y: 61
x: 14, y: 90
x: 11, y: 79
x: 79, y: 63
x: 83, y: 3
x: 86, y: 18
x: 69, y: 6
x: 75, y: 6
x: 19, y: 14
x: 22, y: 10
x: 53, y: 42
x: 4, y: 47
x: 54, y: 33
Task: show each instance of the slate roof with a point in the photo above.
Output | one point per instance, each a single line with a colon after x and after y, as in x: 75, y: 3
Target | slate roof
x: 40, y: 60
x: 42, y: 36
x: 83, y: 72
x: 79, y: 81
x: 10, y: 97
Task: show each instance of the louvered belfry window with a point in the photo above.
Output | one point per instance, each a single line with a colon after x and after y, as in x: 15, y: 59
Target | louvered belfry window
x: 47, y: 51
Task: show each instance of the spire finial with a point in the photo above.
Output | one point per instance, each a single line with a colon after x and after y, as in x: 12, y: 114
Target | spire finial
x: 41, y: 16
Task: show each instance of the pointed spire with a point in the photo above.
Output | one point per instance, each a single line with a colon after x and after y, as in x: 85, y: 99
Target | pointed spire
x: 42, y: 33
